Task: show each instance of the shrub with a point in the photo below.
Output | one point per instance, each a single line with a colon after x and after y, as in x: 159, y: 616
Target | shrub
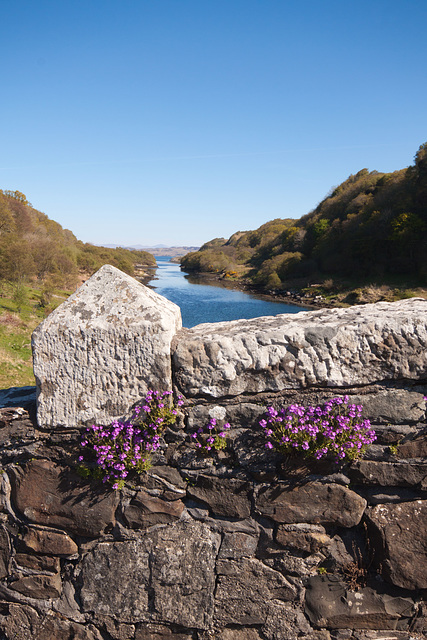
x: 335, y: 428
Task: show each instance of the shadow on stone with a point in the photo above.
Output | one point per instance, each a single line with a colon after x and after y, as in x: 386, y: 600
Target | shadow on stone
x: 18, y: 397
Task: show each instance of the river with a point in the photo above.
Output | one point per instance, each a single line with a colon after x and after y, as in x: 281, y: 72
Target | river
x: 201, y: 302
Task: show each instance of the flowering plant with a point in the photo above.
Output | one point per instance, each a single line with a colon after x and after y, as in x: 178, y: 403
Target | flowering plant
x: 212, y: 436
x: 111, y: 453
x: 336, y: 427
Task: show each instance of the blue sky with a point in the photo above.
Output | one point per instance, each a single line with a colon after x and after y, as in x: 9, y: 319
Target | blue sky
x: 177, y: 121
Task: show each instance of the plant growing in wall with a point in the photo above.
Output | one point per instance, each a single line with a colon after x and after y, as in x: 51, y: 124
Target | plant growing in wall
x: 335, y: 428
x: 112, y: 452
x: 211, y: 437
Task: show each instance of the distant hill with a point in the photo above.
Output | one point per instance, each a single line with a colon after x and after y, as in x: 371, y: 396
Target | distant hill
x: 161, y: 250
x: 35, y: 248
x: 373, y: 225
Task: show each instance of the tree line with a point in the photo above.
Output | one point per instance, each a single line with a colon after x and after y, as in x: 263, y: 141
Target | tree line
x: 34, y: 248
x: 373, y: 225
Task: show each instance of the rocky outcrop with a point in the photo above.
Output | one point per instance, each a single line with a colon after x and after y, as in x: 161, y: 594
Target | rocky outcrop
x: 100, y: 351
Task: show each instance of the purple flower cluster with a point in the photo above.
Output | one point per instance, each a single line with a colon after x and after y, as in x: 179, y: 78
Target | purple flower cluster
x: 212, y: 436
x: 123, y: 447
x: 335, y: 428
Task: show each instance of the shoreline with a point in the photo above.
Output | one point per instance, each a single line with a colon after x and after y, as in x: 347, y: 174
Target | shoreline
x: 290, y: 297
x: 307, y: 296
x: 311, y: 296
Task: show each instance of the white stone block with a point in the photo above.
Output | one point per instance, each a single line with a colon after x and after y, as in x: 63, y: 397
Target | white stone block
x: 99, y: 352
x: 327, y: 348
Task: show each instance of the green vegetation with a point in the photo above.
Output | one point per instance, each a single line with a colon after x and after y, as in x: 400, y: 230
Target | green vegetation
x: 40, y: 265
x: 35, y: 249
x: 21, y: 309
x: 370, y: 230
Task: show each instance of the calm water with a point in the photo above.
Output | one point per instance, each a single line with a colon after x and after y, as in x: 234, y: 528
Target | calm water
x: 210, y: 303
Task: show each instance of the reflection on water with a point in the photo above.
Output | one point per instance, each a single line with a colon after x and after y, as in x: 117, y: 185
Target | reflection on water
x: 210, y: 303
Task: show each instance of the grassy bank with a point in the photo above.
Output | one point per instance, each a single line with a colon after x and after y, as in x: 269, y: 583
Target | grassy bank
x: 22, y: 308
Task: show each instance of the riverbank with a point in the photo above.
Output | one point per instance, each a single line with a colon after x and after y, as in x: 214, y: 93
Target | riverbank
x: 326, y: 295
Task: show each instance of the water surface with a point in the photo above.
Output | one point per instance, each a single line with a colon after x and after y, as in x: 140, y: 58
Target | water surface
x: 200, y: 302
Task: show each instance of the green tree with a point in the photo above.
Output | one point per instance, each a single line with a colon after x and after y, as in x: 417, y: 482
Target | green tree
x: 17, y: 264
x: 7, y: 221
x: 17, y: 195
x: 20, y: 297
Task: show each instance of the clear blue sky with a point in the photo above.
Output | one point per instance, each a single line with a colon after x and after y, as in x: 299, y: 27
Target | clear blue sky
x: 177, y: 121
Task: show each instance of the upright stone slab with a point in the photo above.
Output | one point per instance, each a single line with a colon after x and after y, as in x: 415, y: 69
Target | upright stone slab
x: 330, y: 348
x: 100, y: 351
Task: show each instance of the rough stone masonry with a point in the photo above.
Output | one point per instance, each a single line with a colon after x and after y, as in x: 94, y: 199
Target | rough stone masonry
x: 243, y: 545
x: 97, y: 354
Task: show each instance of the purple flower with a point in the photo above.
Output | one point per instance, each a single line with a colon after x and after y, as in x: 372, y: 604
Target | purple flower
x: 335, y: 427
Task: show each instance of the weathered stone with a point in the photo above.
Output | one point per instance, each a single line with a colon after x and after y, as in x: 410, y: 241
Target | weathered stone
x: 388, y: 474
x: 236, y: 634
x: 38, y: 586
x: 331, y: 347
x: 103, y: 589
x: 337, y: 557
x: 169, y: 576
x: 37, y: 563
x: 18, y: 621
x: 392, y: 405
x: 239, y: 415
x: 291, y: 565
x: 384, y: 635
x: 99, y: 352
x: 252, y: 456
x: 314, y: 502
x: 238, y: 545
x: 416, y: 448
x: 183, y: 578
x: 49, y: 494
x: 117, y: 630
x: 303, y: 537
x: 244, y: 589
x: 329, y: 604
x: 392, y: 434
x: 380, y: 495
x: 47, y: 541
x: 68, y: 605
x: 419, y: 623
x: 166, y: 480
x: 22, y: 622
x: 145, y: 511
x: 250, y: 527
x: 285, y: 621
x: 15, y: 426
x: 159, y: 632
x: 401, y: 528
x: 225, y: 496
x: 4, y: 552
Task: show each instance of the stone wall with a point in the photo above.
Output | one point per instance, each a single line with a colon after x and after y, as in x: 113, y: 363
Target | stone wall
x: 241, y: 545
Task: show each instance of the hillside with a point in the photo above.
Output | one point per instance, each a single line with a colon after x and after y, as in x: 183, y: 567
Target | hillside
x: 35, y: 249
x: 371, y: 228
